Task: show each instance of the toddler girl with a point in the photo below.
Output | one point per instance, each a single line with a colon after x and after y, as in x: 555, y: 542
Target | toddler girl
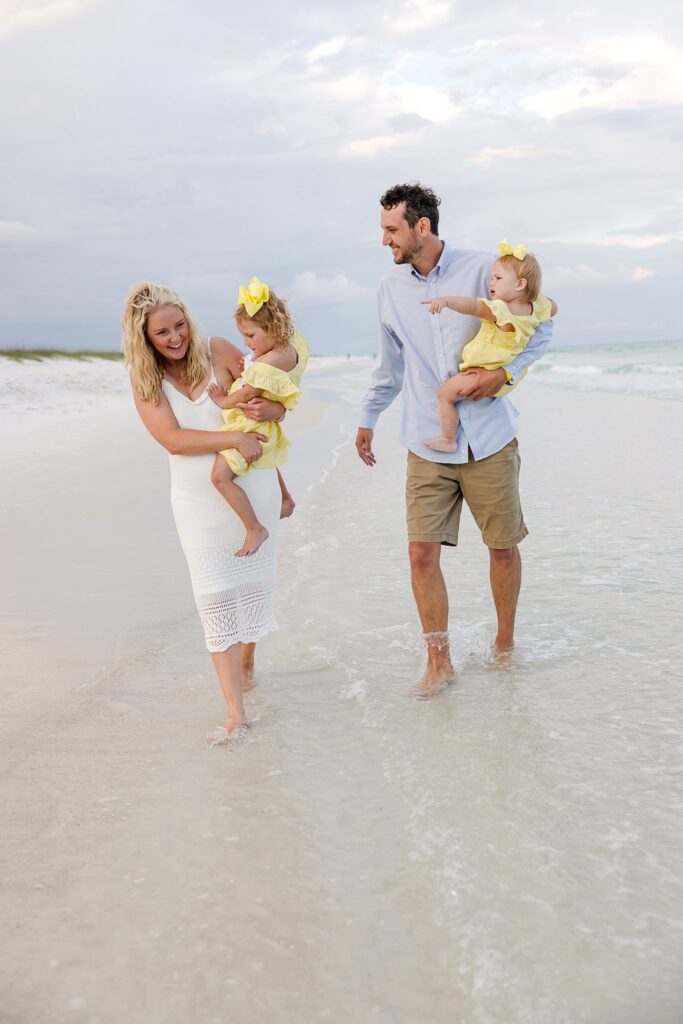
x: 510, y: 318
x: 279, y: 358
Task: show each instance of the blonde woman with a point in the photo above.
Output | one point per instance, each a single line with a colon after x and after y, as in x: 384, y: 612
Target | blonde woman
x: 171, y: 371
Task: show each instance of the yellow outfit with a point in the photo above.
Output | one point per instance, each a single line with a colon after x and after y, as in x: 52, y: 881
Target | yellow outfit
x: 492, y: 348
x: 278, y: 386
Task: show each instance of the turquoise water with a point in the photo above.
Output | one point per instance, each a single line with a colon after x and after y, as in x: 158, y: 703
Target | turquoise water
x: 650, y: 368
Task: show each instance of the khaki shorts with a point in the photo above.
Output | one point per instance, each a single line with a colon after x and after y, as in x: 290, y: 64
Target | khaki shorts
x: 435, y: 492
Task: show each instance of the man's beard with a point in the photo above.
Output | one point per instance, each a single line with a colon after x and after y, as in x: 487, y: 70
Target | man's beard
x: 409, y: 254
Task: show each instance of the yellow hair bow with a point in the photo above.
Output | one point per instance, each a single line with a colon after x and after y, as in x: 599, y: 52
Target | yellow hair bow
x: 519, y: 251
x: 253, y: 297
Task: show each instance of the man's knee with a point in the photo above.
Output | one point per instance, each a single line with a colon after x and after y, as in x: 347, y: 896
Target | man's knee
x: 504, y: 558
x: 424, y: 556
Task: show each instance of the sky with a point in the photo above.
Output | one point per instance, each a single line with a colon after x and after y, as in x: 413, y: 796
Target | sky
x: 197, y: 144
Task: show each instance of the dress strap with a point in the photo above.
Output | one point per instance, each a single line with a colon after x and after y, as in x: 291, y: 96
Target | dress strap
x: 212, y: 379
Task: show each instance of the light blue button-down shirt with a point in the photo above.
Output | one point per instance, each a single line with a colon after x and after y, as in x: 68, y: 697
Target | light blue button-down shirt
x: 418, y: 351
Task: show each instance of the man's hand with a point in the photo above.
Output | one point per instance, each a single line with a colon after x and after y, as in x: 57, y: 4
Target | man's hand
x: 249, y: 445
x: 482, y: 383
x: 364, y: 446
x: 262, y: 410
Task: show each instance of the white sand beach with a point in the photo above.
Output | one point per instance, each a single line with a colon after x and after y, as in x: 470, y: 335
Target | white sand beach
x: 508, y: 853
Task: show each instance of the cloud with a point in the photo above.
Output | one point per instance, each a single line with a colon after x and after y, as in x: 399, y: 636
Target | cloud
x: 416, y: 16
x: 618, y: 72
x: 581, y: 275
x: 16, y: 231
x: 310, y: 288
x: 368, y: 149
x: 625, y: 240
x: 26, y: 15
x: 517, y: 152
x: 328, y: 48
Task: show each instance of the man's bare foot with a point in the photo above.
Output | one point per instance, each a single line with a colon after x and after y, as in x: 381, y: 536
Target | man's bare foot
x: 253, y: 540
x: 442, y: 444
x: 503, y: 646
x: 433, y: 681
x: 288, y: 506
x: 215, y: 393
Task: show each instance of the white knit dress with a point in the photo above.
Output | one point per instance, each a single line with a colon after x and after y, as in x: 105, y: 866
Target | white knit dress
x: 234, y: 596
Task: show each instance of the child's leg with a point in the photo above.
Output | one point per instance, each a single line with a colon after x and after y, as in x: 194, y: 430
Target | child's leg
x: 288, y: 503
x: 223, y: 479
x: 446, y: 396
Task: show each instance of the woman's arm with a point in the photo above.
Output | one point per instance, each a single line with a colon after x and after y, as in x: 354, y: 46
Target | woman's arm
x: 163, y: 426
x: 460, y: 304
x: 227, y: 360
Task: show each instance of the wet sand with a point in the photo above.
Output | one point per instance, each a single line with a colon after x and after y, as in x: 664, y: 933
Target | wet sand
x: 507, y: 853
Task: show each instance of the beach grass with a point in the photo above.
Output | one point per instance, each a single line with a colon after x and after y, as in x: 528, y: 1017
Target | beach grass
x: 19, y: 355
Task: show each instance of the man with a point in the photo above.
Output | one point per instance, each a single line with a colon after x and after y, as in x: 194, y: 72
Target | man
x: 418, y: 352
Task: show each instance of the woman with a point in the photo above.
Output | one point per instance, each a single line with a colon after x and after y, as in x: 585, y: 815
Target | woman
x: 171, y: 371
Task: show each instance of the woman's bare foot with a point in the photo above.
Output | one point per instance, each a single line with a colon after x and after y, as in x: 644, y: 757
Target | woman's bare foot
x: 433, y: 681
x: 287, y: 507
x: 442, y: 444
x: 253, y: 540
x: 233, y: 731
x: 248, y: 680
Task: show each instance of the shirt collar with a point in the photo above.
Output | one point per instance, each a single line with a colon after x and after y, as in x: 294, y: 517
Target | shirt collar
x: 442, y: 264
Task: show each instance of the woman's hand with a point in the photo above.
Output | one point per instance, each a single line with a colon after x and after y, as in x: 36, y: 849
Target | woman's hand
x: 249, y: 445
x: 262, y: 410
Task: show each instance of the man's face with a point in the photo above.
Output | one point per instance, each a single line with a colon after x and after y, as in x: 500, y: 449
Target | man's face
x: 405, y: 242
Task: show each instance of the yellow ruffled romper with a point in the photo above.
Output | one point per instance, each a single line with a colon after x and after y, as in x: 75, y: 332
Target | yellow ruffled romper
x: 492, y: 348
x: 278, y: 386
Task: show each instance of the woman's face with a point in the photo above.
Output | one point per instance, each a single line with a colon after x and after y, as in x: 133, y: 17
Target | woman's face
x: 168, y: 332
x: 254, y: 337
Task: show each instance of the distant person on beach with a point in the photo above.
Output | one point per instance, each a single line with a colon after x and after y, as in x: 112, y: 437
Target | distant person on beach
x: 509, y: 319
x: 417, y: 354
x: 171, y: 370
x: 279, y: 357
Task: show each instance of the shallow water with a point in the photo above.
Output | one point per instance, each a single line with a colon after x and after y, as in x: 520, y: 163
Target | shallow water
x: 542, y: 797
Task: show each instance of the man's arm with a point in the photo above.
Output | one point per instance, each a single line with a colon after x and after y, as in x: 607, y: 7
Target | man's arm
x: 385, y: 384
x: 538, y: 343
x: 487, y: 383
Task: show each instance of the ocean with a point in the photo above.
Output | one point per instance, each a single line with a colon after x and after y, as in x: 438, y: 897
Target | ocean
x: 651, y: 368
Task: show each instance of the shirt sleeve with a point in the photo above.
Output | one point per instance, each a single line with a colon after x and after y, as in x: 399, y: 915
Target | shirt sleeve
x: 536, y: 347
x: 387, y: 377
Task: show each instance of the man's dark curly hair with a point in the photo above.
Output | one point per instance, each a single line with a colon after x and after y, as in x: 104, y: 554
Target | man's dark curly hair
x: 420, y: 202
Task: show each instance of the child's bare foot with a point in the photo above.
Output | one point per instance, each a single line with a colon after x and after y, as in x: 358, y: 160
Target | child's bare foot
x: 215, y: 393
x: 253, y: 540
x: 287, y: 507
x: 442, y: 444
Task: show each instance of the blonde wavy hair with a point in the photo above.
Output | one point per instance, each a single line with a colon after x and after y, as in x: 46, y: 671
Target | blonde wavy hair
x: 273, y: 317
x: 145, y: 363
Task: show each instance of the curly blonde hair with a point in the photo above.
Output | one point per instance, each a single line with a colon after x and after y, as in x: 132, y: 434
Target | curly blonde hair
x: 145, y: 363
x: 273, y: 317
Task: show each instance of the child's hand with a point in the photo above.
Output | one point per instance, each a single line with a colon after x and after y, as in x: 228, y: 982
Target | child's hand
x: 217, y: 395
x: 435, y: 305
